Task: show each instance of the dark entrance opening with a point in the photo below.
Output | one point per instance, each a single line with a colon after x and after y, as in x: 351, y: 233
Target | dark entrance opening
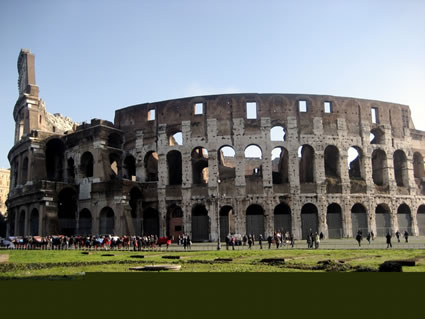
x: 85, y: 222
x: 200, y: 223
x: 55, y: 159
x: 359, y: 219
x: 282, y: 218
x: 334, y: 221
x: 174, y: 221
x: 86, y: 165
x: 255, y: 220
x: 404, y: 219
x: 309, y: 220
x: 67, y: 208
x: 106, y: 221
x: 130, y: 168
x: 150, y: 221
x: 34, y: 219
x: 225, y: 214
x: 420, y: 216
x: 383, y: 220
x: 174, y: 161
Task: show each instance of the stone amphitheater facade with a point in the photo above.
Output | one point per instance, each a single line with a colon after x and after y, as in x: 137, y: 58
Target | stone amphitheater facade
x: 212, y: 165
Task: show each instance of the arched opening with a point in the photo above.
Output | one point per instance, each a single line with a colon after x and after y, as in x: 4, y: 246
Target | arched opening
x: 359, y: 219
x: 200, y: 223
x: 277, y: 133
x: 175, y: 226
x: 420, y: 217
x: 400, y: 168
x: 114, y: 140
x: 309, y: 220
x: 226, y: 163
x: 200, y: 166
x: 21, y: 224
x: 332, y: 170
x: 106, y: 221
x: 175, y: 139
x: 130, y: 168
x: 87, y: 164
x: 85, y: 222
x: 115, y: 162
x: 25, y: 171
x: 34, y: 220
x: 282, y: 218
x: 383, y: 220
x: 151, y: 166
x: 226, y: 213
x: 150, y: 221
x: 280, y: 161
x: 379, y: 168
x: 377, y: 136
x: 55, y: 159
x: 306, y: 161
x: 418, y: 171
x: 67, y: 208
x: 135, y: 201
x: 255, y: 220
x: 355, y: 163
x: 174, y: 162
x: 404, y: 218
x: 334, y: 221
x: 71, y: 170
x: 253, y: 170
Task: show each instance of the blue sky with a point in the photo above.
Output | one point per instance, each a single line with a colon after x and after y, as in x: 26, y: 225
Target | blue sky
x: 93, y: 57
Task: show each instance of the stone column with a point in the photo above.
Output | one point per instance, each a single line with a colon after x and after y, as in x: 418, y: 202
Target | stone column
x: 140, y: 170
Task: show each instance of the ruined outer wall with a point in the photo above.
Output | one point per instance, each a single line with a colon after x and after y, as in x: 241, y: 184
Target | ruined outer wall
x: 224, y: 122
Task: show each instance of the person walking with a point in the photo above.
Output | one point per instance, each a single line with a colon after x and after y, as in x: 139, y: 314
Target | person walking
x: 291, y: 238
x: 260, y: 241
x: 270, y: 240
x: 359, y: 237
x: 368, y: 237
x: 316, y: 240
x: 406, y: 236
x: 397, y: 234
x: 388, y: 237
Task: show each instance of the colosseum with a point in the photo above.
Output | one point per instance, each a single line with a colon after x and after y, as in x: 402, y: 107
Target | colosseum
x: 218, y: 164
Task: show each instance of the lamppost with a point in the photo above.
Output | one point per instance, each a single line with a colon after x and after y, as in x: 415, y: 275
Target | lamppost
x: 218, y: 215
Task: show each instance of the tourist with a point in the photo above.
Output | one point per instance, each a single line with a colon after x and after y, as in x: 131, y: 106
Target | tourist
x: 359, y: 237
x: 291, y: 238
x: 397, y: 234
x: 388, y: 237
x: 406, y: 236
x: 260, y: 241
x: 270, y: 240
x: 368, y: 237
x: 316, y: 240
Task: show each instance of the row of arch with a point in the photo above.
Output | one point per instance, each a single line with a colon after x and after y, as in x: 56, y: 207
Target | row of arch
x: 200, y: 220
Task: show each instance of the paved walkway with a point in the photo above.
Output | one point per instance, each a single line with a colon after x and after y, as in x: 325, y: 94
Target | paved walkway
x: 346, y: 243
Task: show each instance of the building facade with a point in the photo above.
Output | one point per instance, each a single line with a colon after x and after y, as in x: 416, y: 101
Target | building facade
x: 219, y: 164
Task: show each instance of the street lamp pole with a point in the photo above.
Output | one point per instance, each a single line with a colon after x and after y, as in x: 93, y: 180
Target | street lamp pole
x: 218, y: 215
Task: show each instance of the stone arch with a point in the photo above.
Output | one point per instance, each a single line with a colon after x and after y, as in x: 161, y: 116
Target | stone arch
x: 355, y: 163
x: 334, y: 221
x: 150, y: 221
x: 282, y: 218
x: 174, y: 163
x: 200, y: 223
x: 130, y: 167
x: 85, y: 222
x: 420, y: 217
x: 226, y: 221
x: 306, y: 162
x: 70, y: 170
x: 379, y: 168
x: 55, y: 151
x: 151, y: 166
x: 277, y: 133
x: 67, y: 209
x: 175, y: 224
x: 418, y: 165
x: 115, y: 162
x: 34, y: 222
x: 175, y: 139
x: 383, y: 219
x: 400, y: 168
x: 106, y: 221
x: 253, y: 160
x: 331, y: 157
x: 404, y: 218
x: 199, y: 163
x: 255, y: 220
x: 280, y: 165
x: 226, y: 162
x: 115, y: 140
x: 86, y: 164
x: 309, y: 220
x: 359, y: 220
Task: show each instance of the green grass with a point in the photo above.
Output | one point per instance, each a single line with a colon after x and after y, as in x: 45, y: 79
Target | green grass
x: 72, y: 264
